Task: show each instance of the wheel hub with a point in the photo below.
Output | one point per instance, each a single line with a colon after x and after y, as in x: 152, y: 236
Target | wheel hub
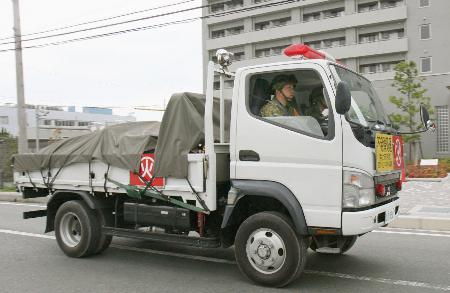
x: 70, y: 230
x: 263, y: 251
x: 266, y: 251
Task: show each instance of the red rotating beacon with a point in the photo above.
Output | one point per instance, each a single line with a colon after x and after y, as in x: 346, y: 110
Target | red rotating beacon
x: 305, y: 51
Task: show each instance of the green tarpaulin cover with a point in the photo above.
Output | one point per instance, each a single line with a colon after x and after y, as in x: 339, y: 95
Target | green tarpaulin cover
x: 181, y: 130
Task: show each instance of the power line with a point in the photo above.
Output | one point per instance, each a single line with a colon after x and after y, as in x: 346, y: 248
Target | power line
x: 100, y: 20
x: 155, y: 26
x: 109, y: 25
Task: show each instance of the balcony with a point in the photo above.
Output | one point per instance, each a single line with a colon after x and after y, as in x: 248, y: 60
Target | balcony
x: 306, y: 28
x: 368, y: 49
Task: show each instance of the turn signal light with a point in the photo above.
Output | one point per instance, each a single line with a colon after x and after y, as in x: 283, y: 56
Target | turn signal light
x: 380, y: 190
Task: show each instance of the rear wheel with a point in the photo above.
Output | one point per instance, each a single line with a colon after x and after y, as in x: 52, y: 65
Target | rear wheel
x: 105, y: 218
x: 268, y: 250
x: 77, y: 229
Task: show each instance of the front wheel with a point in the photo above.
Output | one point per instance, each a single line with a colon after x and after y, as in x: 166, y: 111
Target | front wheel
x: 268, y: 250
x: 77, y: 229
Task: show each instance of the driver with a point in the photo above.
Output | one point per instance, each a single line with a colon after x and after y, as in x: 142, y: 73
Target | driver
x: 282, y: 103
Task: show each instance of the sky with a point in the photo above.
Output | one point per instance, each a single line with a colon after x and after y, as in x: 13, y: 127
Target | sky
x: 134, y: 69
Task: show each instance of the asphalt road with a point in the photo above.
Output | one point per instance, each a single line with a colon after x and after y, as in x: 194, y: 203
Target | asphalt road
x: 387, y: 260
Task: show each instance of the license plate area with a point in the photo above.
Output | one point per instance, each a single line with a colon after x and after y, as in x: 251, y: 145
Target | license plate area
x: 387, y: 216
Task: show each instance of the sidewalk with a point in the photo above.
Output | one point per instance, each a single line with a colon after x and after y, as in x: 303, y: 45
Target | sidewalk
x: 424, y: 205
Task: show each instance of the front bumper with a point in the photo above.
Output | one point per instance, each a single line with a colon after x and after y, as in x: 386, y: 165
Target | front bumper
x: 360, y: 222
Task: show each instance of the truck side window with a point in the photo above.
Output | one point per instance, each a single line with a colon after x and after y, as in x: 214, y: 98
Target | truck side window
x: 292, y: 99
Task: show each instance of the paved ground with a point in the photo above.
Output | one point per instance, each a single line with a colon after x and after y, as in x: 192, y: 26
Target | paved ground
x: 387, y: 260
x: 422, y: 193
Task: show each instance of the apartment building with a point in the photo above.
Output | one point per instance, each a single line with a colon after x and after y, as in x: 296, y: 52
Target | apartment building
x: 369, y: 36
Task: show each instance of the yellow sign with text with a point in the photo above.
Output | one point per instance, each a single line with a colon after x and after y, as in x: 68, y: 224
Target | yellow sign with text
x: 384, y: 153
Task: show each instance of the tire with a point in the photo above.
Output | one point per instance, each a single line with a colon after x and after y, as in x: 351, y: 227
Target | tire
x: 268, y: 251
x: 105, y: 218
x: 349, y: 242
x: 77, y: 229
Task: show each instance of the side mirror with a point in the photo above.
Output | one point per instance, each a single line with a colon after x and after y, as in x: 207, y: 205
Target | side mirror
x: 425, y: 117
x: 343, y: 98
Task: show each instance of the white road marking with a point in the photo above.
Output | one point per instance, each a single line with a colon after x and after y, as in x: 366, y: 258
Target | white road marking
x: 412, y: 233
x: 27, y: 234
x: 23, y: 204
x: 224, y: 261
x: 413, y: 230
x: 380, y: 280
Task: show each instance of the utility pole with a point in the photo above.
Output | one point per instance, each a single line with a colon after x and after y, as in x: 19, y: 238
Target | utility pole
x: 21, y: 116
x: 37, y: 127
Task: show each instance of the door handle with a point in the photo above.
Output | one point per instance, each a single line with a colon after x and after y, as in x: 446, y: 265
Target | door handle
x: 248, y: 155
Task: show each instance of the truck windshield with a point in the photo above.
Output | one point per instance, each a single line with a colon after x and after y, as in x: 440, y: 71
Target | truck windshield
x: 366, y: 108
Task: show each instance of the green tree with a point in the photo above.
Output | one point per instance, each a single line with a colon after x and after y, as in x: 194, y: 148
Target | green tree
x: 408, y: 82
x: 8, y: 147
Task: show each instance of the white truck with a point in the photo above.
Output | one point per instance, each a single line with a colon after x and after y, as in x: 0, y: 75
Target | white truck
x: 278, y: 186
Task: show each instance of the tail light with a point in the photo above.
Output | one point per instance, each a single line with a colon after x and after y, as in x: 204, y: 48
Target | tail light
x: 380, y: 190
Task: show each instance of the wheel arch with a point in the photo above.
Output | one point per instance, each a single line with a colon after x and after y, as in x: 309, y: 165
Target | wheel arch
x: 62, y: 196
x: 267, y: 189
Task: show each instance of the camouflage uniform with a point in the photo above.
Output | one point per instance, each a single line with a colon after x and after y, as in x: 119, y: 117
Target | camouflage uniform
x: 275, y: 108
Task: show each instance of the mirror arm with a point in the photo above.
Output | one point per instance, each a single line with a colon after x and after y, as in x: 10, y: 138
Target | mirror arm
x: 416, y: 132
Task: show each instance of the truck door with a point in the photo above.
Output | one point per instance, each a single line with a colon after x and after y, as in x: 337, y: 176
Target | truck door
x: 304, y: 152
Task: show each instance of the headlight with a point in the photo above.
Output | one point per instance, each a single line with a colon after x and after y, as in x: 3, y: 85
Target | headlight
x: 358, y: 190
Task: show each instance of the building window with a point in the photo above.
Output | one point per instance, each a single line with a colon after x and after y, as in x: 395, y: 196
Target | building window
x: 442, y: 129
x: 367, y: 38
x: 239, y: 56
x: 235, y: 30
x: 311, y: 16
x: 281, y: 22
x: 424, y: 3
x: 366, y: 7
x: 217, y: 7
x: 235, y: 4
x: 64, y: 123
x: 83, y: 123
x: 4, y: 120
x: 425, y: 31
x: 262, y: 53
x: 46, y: 122
x: 262, y: 25
x: 333, y: 12
x: 314, y: 45
x: 425, y: 64
x: 389, y: 3
x: 218, y: 34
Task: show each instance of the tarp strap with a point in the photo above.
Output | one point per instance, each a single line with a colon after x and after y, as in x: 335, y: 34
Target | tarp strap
x: 200, y: 200
x: 148, y: 184
x: 90, y: 177
x: 106, y: 180
x: 135, y: 192
x: 45, y: 183
x: 31, y: 181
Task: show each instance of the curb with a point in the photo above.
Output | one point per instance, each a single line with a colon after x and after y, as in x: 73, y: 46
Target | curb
x: 426, y: 179
x: 424, y: 223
